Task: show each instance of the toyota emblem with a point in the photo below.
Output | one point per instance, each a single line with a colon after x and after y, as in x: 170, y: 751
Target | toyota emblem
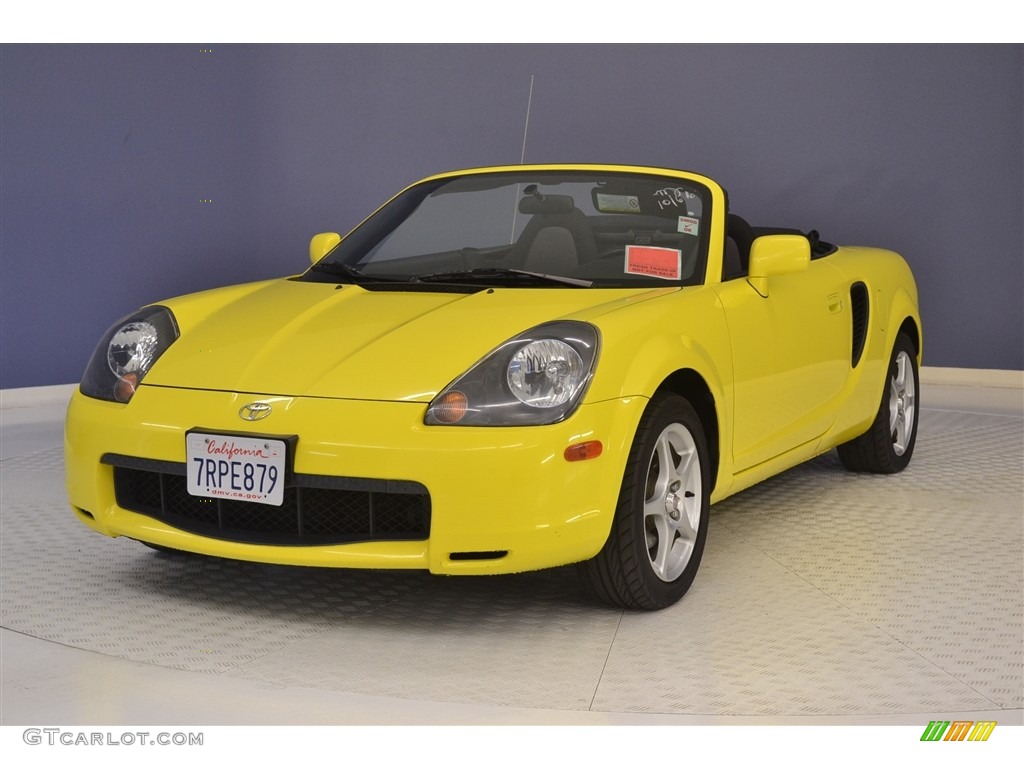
x: 255, y: 411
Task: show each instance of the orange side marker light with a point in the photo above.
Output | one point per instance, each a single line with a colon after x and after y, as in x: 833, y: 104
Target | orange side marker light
x: 583, y: 451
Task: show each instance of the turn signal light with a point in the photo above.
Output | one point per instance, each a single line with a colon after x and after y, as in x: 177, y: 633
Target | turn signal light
x: 125, y: 387
x: 450, y: 408
x: 583, y: 451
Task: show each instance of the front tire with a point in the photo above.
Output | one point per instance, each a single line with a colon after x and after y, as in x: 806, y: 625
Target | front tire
x: 661, y: 520
x: 887, y: 446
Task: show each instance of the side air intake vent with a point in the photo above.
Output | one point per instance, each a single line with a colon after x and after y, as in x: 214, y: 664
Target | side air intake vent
x: 859, y: 307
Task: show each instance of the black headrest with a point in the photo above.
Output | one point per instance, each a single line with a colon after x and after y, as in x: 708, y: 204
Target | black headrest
x: 533, y: 204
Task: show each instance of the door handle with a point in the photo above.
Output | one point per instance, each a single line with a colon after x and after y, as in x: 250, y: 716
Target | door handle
x: 835, y: 303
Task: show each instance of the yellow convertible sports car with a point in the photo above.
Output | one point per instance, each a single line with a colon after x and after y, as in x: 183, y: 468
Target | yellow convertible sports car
x: 502, y: 369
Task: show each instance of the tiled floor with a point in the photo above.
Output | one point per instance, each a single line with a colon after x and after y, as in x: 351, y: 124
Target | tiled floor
x: 824, y: 597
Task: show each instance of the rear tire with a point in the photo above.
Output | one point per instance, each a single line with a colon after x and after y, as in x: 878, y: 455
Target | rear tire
x: 887, y: 446
x: 661, y: 520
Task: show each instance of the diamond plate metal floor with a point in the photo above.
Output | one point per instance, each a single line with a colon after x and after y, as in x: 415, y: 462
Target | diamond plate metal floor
x: 823, y: 594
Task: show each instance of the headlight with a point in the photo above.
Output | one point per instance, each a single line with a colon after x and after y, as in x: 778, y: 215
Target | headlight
x: 538, y: 377
x: 545, y: 373
x: 126, y: 353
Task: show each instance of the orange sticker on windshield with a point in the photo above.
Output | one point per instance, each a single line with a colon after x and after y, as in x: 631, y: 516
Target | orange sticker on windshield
x: 665, y: 263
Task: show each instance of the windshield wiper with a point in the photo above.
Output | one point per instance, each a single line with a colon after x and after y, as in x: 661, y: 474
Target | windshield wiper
x: 352, y: 273
x: 491, y: 274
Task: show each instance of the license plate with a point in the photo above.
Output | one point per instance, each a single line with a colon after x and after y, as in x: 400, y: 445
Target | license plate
x: 236, y: 468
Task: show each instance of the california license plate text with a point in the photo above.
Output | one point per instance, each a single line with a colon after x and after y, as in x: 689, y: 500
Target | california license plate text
x: 238, y: 468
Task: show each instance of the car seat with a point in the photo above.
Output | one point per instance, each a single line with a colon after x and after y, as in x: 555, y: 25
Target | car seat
x: 557, y: 238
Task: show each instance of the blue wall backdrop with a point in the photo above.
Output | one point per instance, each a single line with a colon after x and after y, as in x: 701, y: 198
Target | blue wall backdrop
x: 107, y: 154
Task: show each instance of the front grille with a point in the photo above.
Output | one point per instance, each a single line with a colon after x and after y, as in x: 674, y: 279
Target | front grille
x: 316, y: 510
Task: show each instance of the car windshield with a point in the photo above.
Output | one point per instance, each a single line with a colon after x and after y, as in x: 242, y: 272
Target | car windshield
x: 531, y: 229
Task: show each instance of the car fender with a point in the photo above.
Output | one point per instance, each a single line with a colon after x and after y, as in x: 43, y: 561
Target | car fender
x: 893, y: 303
x: 893, y: 291
x: 903, y: 307
x: 636, y: 363
x: 191, y: 309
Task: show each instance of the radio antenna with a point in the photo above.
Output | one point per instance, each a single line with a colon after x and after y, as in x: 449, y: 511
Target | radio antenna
x: 526, y: 128
x: 522, y: 160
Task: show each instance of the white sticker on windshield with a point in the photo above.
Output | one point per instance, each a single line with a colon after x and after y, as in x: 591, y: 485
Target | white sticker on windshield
x: 689, y: 225
x: 618, y: 203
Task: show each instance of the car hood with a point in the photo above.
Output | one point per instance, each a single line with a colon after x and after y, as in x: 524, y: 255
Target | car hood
x: 342, y: 341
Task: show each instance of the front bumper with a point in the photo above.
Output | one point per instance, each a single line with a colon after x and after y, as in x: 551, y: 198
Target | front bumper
x: 508, y: 491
